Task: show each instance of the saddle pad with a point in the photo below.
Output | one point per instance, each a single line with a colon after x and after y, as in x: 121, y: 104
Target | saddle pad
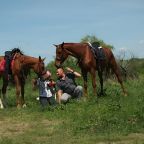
x: 98, y: 53
x: 2, y: 65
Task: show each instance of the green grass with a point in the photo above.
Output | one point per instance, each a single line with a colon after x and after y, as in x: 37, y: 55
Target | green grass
x: 113, y: 119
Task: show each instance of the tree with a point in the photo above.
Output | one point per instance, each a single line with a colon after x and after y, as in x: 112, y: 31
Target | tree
x: 92, y: 38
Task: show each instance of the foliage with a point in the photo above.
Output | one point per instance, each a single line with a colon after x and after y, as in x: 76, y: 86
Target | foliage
x: 131, y: 68
x: 91, y: 39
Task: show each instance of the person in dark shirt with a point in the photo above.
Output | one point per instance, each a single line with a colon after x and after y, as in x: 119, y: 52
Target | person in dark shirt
x: 66, y: 85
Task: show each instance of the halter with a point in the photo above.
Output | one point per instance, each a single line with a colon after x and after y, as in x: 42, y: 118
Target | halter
x: 60, y: 58
x: 40, y: 68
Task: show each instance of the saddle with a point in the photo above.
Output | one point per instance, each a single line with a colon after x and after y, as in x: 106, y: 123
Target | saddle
x: 3, y: 65
x: 98, y: 52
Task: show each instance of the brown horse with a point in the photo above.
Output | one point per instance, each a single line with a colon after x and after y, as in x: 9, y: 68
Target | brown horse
x: 20, y: 67
x: 87, y: 62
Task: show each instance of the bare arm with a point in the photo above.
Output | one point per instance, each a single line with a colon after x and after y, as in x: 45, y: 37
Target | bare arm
x: 34, y: 83
x: 59, y: 94
x: 77, y: 74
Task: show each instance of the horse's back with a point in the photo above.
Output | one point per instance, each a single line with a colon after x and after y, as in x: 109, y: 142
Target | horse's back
x: 89, y: 57
x: 108, y: 53
x: 1, y: 58
x: 110, y: 59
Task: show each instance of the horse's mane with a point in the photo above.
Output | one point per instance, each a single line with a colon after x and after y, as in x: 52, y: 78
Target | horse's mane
x: 25, y: 72
x: 17, y: 50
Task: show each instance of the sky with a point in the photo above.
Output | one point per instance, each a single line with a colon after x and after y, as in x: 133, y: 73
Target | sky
x: 35, y: 25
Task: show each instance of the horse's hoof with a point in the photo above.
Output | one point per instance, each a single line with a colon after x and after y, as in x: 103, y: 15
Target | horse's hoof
x: 1, y: 104
x: 24, y: 106
x: 37, y: 98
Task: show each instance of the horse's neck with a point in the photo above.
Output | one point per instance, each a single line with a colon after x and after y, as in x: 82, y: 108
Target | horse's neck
x: 29, y: 61
x: 74, y: 50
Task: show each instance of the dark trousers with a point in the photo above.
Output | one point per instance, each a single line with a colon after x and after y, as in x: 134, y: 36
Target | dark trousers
x: 45, y: 101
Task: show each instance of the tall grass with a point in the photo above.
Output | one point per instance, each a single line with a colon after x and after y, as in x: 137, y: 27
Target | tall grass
x: 113, y: 119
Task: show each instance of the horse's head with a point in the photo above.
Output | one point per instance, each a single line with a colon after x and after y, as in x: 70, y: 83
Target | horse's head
x: 39, y: 66
x: 61, y: 54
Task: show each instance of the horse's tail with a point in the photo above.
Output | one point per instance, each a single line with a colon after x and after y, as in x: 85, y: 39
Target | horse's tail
x: 111, y: 65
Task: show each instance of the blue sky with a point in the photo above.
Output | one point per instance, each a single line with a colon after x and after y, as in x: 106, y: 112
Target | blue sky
x: 35, y: 25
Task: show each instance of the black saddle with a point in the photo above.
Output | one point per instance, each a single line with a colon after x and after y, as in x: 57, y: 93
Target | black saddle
x: 98, y: 53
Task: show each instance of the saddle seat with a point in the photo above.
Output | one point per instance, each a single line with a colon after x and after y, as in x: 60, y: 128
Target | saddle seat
x: 98, y: 52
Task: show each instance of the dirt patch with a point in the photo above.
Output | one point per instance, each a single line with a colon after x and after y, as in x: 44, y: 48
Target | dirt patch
x: 10, y: 128
x: 47, y: 122
x: 133, y: 138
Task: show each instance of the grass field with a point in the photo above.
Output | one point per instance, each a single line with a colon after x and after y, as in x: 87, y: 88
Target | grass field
x: 115, y: 119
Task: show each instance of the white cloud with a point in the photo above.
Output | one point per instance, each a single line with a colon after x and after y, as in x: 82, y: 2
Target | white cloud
x: 141, y: 42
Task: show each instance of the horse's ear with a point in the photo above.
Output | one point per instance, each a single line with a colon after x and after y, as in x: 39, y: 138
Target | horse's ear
x: 43, y: 59
x: 62, y: 44
x: 40, y: 58
x: 55, y: 45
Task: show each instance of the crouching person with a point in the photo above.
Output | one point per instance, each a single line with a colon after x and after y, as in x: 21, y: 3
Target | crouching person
x: 66, y: 85
x: 46, y: 90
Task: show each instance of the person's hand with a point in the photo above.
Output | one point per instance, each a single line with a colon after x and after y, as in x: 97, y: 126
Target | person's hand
x: 69, y: 69
x: 52, y: 84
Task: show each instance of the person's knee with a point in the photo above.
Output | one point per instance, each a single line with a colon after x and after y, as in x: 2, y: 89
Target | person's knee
x: 78, y: 91
x: 65, y: 97
x: 79, y: 88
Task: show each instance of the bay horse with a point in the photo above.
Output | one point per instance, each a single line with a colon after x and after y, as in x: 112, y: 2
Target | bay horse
x: 20, y: 66
x: 87, y: 62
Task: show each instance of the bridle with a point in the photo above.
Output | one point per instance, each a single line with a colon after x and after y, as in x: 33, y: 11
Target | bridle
x: 40, y: 67
x: 61, y: 58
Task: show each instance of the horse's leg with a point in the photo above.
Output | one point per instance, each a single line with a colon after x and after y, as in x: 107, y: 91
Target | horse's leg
x: 22, y: 93
x: 116, y: 71
x: 18, y: 90
x: 100, y: 74
x: 84, y: 75
x: 1, y: 104
x: 4, y: 88
x: 93, y: 76
x: 101, y: 68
